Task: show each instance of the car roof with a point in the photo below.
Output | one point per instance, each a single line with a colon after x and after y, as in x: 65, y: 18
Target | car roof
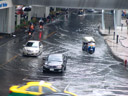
x: 88, y: 39
x: 57, y: 55
x: 42, y: 83
x: 36, y: 41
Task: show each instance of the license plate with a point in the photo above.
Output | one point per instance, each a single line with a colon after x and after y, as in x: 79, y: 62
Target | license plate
x: 51, y: 69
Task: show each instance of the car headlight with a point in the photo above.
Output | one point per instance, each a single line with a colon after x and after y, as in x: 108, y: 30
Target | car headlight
x: 24, y: 49
x: 59, y: 66
x: 45, y: 65
x: 36, y: 51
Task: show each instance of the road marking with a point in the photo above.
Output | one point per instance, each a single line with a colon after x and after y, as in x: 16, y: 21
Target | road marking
x: 9, y: 60
x: 50, y: 35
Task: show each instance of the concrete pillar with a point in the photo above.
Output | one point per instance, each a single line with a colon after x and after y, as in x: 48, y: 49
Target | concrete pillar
x: 103, y: 24
x: 29, y: 15
x: 47, y: 11
x: 118, y: 17
x: 7, y: 20
x: 115, y: 19
x: 54, y: 8
x: 3, y: 20
x: 40, y: 11
x: 18, y: 20
x: 11, y: 20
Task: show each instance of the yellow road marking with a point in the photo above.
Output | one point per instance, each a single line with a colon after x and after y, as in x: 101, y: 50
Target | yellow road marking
x: 9, y: 60
x: 50, y: 35
x: 17, y: 54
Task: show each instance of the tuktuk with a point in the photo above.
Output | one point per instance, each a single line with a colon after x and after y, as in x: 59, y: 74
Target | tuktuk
x: 88, y: 44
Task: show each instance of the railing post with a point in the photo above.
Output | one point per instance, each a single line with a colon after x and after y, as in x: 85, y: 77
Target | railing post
x: 114, y: 36
x: 121, y: 27
x: 117, y: 39
x: 109, y: 29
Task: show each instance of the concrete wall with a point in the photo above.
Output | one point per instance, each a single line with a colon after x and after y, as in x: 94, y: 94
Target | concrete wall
x: 40, y: 11
x: 7, y: 20
x: 3, y: 20
x: 11, y: 20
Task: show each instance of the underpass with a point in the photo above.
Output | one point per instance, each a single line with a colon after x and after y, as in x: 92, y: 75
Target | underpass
x: 98, y: 74
x: 96, y: 4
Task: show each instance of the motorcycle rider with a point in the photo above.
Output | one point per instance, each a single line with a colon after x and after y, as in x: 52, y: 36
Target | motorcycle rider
x: 31, y: 29
x: 41, y: 23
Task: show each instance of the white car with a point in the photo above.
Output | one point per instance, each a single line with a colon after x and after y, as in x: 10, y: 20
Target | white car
x: 33, y: 48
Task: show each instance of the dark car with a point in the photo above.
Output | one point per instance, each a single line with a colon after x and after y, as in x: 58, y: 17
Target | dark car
x: 56, y: 94
x: 55, y: 62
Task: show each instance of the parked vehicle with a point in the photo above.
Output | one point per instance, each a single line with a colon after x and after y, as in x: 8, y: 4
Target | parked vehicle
x: 33, y: 48
x: 80, y: 12
x: 97, y: 11
x: 35, y: 89
x: 55, y: 62
x: 88, y: 44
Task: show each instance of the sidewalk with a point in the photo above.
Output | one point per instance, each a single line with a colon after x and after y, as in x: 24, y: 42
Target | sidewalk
x: 117, y: 45
x: 4, y: 38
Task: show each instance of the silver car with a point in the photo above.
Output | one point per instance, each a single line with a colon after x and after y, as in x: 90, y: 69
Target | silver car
x: 33, y: 48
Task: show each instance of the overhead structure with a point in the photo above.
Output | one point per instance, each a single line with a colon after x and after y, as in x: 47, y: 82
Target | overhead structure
x: 98, y: 4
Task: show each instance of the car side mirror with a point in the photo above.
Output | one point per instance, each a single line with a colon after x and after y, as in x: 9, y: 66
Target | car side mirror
x: 44, y: 58
x: 24, y: 45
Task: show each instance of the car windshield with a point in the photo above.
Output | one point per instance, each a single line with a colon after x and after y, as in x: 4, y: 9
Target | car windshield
x: 54, y: 87
x: 91, y: 44
x: 32, y: 44
x: 21, y: 85
x: 55, y: 58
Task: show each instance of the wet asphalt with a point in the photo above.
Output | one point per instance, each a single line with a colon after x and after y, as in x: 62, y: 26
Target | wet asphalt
x: 97, y: 74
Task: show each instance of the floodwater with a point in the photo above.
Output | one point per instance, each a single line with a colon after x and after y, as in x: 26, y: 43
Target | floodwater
x: 97, y: 74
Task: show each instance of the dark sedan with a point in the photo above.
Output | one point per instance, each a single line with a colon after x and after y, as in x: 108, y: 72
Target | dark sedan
x: 55, y: 62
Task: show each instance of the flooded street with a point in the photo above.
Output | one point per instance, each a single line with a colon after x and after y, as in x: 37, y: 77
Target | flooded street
x: 97, y: 74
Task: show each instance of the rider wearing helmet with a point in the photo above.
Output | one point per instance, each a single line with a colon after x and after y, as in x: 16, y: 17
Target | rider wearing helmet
x: 41, y: 22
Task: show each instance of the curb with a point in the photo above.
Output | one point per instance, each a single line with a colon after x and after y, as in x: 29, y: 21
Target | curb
x: 115, y: 56
x: 110, y: 50
x: 11, y: 37
x: 102, y: 33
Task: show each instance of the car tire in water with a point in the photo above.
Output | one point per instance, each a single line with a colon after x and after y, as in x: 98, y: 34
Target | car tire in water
x: 23, y: 55
x: 62, y: 70
x: 44, y: 71
x: 65, y: 68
